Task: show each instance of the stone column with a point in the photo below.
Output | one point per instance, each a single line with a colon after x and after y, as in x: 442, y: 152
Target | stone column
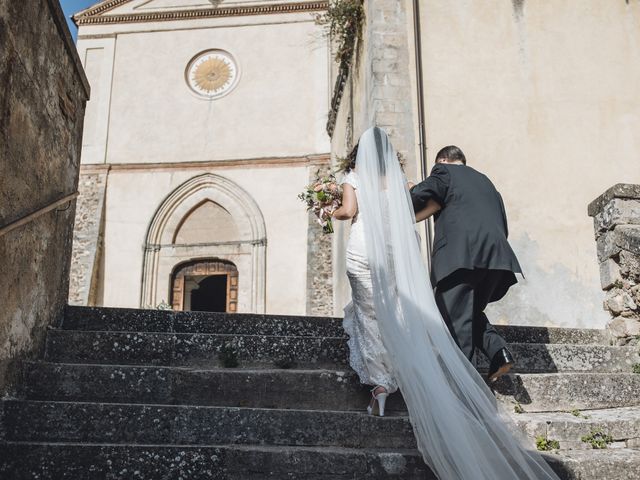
x: 616, y: 218
x: 319, y: 254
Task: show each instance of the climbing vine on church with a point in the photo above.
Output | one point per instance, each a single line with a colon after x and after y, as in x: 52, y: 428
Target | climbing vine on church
x: 343, y: 24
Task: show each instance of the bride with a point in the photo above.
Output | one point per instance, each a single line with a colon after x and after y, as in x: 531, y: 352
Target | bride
x: 398, y: 338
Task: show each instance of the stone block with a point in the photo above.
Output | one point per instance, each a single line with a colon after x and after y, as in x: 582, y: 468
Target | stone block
x: 621, y: 327
x: 609, y: 274
x: 618, y: 301
x: 620, y: 190
x: 606, y: 246
x: 630, y: 266
x: 622, y: 237
x: 627, y: 237
x: 384, y: 66
x: 617, y: 212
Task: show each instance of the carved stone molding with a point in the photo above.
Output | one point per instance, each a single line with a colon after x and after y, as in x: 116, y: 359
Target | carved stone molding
x: 248, y: 253
x: 96, y: 15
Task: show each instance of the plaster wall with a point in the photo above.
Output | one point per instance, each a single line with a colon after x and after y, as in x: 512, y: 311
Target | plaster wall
x: 544, y: 98
x: 143, y: 110
x: 129, y: 210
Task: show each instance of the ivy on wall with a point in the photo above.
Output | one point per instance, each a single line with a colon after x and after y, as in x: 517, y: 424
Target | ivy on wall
x: 342, y: 22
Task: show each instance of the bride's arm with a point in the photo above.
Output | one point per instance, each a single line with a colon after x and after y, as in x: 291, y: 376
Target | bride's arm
x: 349, y: 206
x: 432, y: 208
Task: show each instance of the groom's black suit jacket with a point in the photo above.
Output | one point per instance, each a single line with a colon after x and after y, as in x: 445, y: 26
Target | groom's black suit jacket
x: 471, y: 228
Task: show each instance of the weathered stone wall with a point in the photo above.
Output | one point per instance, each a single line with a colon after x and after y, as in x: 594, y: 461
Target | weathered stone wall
x: 319, y: 261
x: 378, y: 92
x: 616, y: 219
x: 87, y: 235
x: 42, y: 97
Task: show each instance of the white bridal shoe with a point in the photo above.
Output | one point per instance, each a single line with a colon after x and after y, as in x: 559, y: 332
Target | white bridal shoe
x: 381, y: 398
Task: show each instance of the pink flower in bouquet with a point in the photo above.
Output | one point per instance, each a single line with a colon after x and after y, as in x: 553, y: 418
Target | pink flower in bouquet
x: 323, y: 197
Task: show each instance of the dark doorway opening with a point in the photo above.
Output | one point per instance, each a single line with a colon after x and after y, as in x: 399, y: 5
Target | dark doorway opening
x: 211, y: 294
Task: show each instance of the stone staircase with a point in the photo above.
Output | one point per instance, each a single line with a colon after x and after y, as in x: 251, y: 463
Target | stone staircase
x: 141, y: 394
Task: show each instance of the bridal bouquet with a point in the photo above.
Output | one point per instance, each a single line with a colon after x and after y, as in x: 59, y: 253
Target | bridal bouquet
x: 323, y: 197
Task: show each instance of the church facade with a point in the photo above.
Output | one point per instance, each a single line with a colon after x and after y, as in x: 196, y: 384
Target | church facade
x: 208, y: 117
x: 206, y: 120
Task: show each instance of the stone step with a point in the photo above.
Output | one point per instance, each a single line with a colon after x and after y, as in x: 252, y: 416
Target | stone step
x: 607, y: 464
x: 623, y: 424
x: 47, y: 421
x: 73, y: 461
x: 259, y: 388
x: 550, y: 358
x: 202, y: 349
x: 568, y: 391
x: 276, y: 388
x: 138, y: 320
x: 190, y: 348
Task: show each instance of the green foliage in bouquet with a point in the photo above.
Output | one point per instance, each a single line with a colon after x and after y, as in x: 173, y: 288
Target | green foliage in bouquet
x: 322, y: 197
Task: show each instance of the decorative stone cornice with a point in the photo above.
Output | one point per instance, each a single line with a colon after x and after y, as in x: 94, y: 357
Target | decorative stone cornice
x: 96, y: 15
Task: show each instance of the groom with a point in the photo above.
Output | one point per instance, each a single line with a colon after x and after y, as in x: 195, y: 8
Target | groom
x: 472, y: 262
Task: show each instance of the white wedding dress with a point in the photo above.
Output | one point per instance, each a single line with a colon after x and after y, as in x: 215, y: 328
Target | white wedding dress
x: 367, y: 355
x: 398, y: 337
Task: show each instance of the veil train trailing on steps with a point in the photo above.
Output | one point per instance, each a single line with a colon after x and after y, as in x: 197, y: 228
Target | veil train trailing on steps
x: 454, y: 415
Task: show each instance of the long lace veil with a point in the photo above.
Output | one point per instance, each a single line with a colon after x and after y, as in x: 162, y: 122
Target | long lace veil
x: 454, y: 415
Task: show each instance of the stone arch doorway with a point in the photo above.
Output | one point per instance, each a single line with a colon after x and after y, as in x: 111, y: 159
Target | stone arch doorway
x: 209, y: 285
x: 208, y: 216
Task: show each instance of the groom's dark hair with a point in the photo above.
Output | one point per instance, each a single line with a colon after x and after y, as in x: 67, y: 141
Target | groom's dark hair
x: 451, y: 153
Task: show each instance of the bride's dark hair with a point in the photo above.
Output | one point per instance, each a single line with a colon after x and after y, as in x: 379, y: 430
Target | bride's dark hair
x: 349, y: 162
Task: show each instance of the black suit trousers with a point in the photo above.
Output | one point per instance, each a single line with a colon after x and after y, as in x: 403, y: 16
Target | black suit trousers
x: 462, y: 298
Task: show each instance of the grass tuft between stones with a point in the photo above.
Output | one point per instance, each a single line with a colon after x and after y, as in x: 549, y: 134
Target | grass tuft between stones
x: 597, y: 438
x: 545, y: 444
x: 578, y: 413
x: 228, y: 355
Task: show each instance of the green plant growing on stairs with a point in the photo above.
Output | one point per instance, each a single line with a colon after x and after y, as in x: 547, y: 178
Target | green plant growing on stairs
x: 518, y: 408
x: 545, y: 444
x: 597, y: 438
x: 284, y: 361
x: 635, y: 368
x: 164, y: 306
x: 228, y: 355
x: 578, y: 413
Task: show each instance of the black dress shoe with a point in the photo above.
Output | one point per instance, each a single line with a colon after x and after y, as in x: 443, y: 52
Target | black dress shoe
x: 501, y: 363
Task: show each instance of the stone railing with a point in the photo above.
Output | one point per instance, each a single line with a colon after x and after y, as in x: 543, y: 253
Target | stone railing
x: 616, y: 218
